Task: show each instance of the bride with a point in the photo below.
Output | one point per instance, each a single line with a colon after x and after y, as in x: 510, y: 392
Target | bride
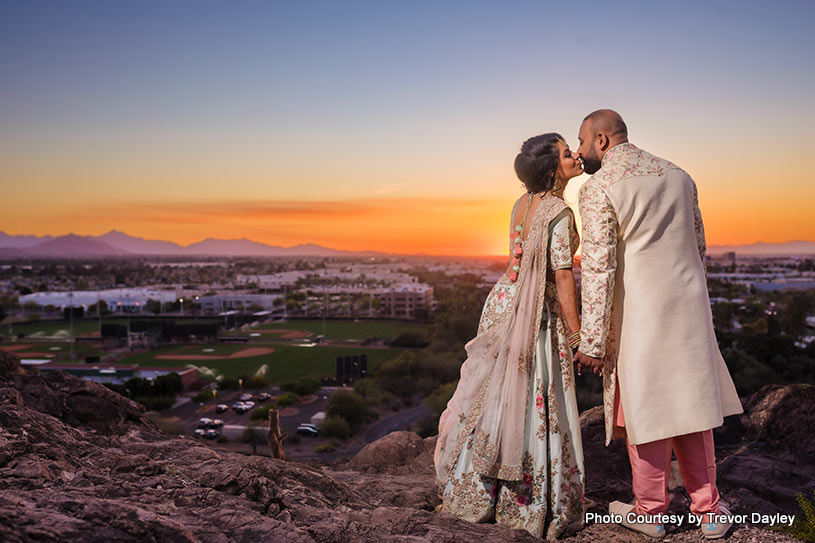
x: 509, y: 448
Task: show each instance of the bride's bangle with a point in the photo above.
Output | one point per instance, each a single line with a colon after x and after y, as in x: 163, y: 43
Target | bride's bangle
x: 573, y: 339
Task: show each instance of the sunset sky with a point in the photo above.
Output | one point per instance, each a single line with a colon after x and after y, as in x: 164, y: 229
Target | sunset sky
x: 388, y: 125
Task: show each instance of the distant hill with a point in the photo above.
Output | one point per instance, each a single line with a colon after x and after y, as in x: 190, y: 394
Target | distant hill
x: 131, y: 244
x: 116, y: 243
x: 73, y: 245
x: 7, y: 240
x: 13, y: 252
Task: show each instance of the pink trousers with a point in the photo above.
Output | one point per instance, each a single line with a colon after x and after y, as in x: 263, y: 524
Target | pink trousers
x: 651, y: 469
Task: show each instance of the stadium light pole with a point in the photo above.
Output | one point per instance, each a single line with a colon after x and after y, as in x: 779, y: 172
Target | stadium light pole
x: 284, y: 302
x: 71, y: 319
x: 325, y: 310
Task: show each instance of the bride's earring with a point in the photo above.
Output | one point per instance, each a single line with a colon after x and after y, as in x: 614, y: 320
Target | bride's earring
x: 558, y: 185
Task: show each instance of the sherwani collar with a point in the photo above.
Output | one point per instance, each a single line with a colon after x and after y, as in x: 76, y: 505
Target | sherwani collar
x: 617, y: 151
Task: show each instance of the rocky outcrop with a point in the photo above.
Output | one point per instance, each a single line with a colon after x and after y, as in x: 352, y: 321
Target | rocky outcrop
x: 80, y: 463
x: 774, y: 458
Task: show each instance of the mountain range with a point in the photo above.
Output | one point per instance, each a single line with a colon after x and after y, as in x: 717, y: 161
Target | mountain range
x: 116, y: 243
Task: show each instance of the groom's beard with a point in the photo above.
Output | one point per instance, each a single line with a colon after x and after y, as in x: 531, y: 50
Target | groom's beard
x: 591, y: 164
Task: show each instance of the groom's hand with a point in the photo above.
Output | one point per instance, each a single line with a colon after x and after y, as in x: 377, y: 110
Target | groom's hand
x: 594, y: 364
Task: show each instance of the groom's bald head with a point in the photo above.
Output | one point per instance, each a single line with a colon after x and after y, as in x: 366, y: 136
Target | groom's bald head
x: 609, y: 122
x: 601, y: 130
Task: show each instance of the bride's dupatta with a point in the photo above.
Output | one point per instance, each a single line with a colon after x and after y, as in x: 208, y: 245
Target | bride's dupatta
x: 494, y: 386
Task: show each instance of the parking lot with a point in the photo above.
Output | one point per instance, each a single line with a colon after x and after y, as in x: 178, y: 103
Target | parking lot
x: 189, y: 413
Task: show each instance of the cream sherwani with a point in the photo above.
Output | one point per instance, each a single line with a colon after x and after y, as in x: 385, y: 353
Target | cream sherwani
x: 646, y: 309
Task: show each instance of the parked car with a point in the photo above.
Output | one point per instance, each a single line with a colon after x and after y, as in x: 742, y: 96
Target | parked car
x: 204, y: 423
x: 263, y: 397
x: 240, y: 407
x: 212, y: 434
x: 308, y: 431
x: 199, y: 432
x: 249, y: 403
x: 216, y: 423
x: 246, y: 397
x: 221, y: 408
x: 309, y: 425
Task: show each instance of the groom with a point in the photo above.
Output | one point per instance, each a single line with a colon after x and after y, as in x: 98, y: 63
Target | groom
x: 647, y: 325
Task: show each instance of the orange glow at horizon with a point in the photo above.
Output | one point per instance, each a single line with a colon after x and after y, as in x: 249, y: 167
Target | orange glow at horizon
x: 437, y: 226
x: 404, y: 225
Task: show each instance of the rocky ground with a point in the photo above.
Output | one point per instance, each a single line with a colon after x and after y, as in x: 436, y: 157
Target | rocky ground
x: 79, y: 462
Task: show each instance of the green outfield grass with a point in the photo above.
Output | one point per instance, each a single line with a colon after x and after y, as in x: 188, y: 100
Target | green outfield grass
x: 83, y: 326
x: 62, y: 354
x: 51, y: 327
x: 285, y: 363
x: 347, y: 329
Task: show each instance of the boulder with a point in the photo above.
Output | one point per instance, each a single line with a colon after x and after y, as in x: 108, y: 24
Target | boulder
x: 9, y: 364
x: 398, y: 453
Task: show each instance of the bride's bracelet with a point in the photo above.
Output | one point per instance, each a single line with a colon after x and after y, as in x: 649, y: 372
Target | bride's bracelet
x: 573, y: 339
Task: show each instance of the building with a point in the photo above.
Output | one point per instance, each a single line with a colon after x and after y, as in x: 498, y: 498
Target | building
x: 114, y: 374
x: 403, y: 300
x: 118, y: 300
x: 220, y: 303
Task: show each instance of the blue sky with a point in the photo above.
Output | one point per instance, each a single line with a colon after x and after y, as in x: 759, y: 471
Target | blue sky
x: 116, y: 101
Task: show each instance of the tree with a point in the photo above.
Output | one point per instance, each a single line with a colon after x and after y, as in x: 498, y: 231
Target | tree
x: 254, y: 434
x: 348, y: 405
x: 375, y: 396
x: 723, y: 315
x: 794, y: 315
x: 168, y: 384
x: 286, y: 399
x: 410, y: 339
x: 436, y: 402
x: 102, y: 303
x: 153, y: 306
x: 334, y: 426
x: 303, y: 387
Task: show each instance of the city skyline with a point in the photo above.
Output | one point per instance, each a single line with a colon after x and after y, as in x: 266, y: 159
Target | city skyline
x: 387, y: 127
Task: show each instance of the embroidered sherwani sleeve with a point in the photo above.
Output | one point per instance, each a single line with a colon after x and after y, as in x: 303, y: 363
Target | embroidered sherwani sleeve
x: 699, y: 225
x: 599, y: 264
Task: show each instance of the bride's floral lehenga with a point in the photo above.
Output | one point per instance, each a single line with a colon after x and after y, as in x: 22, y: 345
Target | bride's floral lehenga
x: 509, y: 448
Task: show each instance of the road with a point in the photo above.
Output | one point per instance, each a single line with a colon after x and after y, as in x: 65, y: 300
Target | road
x: 378, y: 430
x: 400, y: 420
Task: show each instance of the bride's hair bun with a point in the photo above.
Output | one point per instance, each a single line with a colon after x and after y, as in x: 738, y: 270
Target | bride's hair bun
x: 537, y: 162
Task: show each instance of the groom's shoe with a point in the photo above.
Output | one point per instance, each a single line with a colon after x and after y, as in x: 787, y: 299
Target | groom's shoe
x: 716, y: 530
x: 651, y: 529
